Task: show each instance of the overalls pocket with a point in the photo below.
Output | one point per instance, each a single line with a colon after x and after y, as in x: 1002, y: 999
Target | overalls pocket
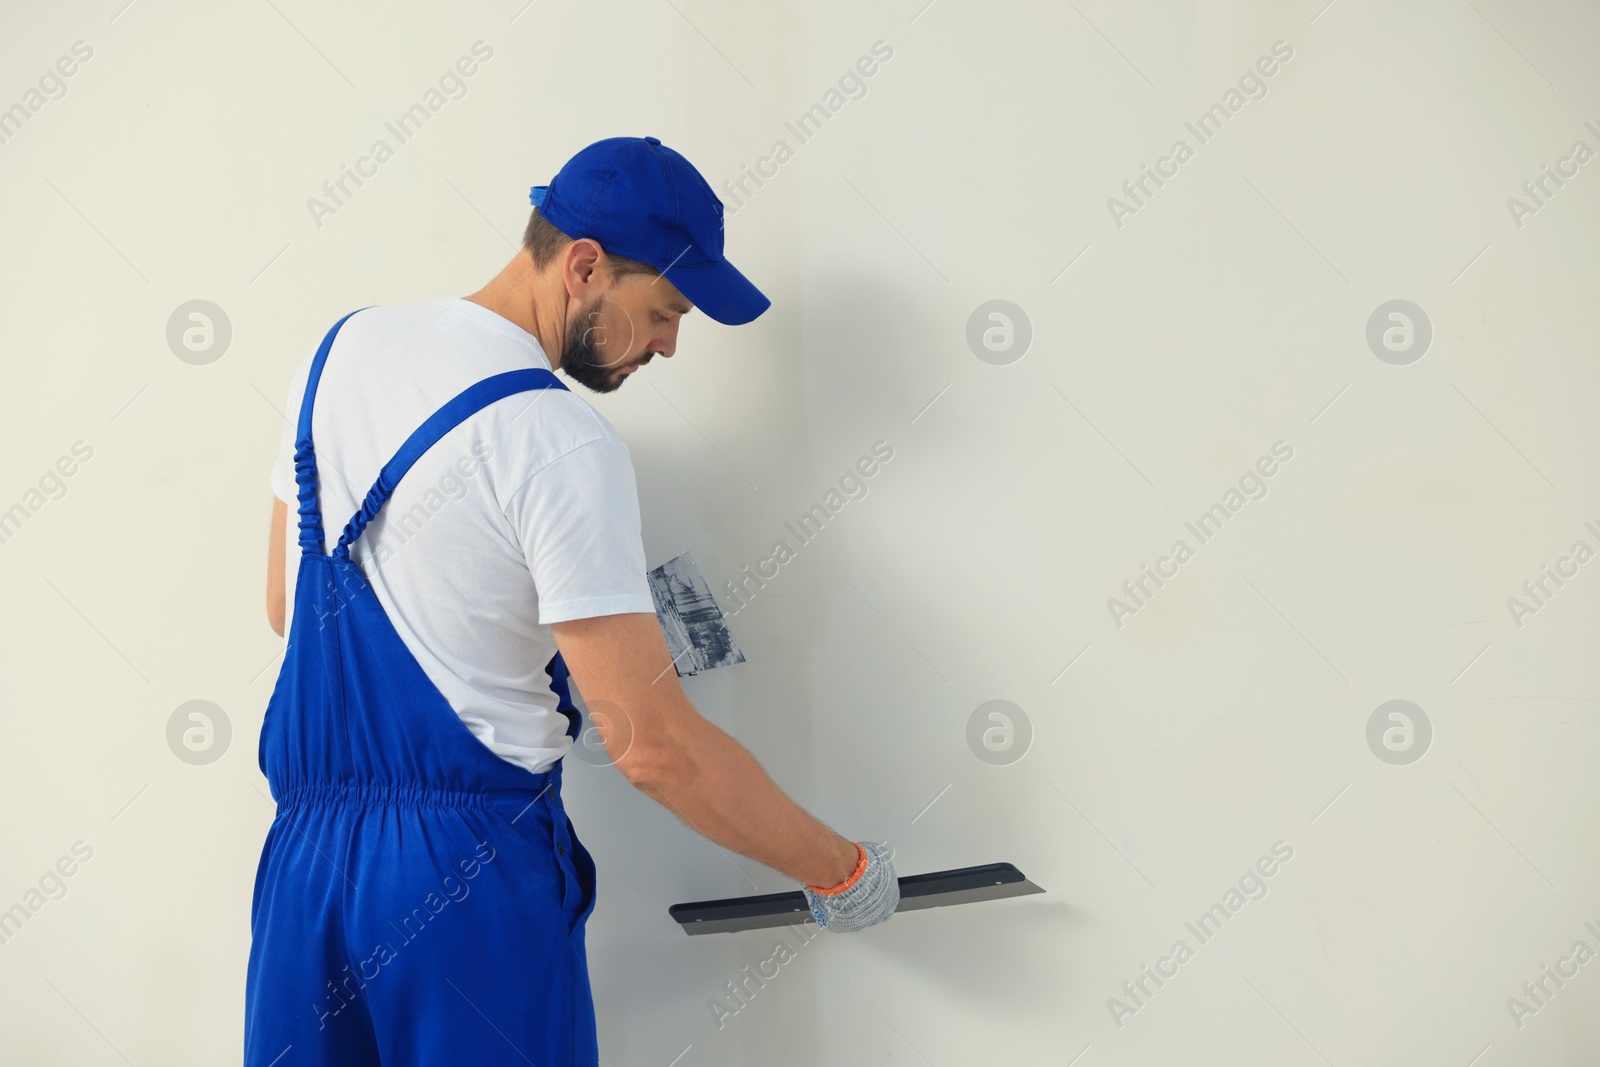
x: 581, y: 864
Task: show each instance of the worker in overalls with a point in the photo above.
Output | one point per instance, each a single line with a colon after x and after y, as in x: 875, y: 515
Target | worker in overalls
x: 422, y: 896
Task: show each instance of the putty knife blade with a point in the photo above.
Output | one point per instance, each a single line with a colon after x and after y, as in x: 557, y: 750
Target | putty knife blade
x: 697, y: 633
x: 964, y: 885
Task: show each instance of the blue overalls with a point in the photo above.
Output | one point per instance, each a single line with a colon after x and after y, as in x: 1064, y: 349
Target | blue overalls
x: 419, y: 899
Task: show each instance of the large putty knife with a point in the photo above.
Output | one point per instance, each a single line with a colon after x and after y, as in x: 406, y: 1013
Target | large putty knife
x: 991, y: 881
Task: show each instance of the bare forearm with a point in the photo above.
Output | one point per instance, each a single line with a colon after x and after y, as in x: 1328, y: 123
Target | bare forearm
x: 717, y: 788
x: 671, y: 753
x: 276, y: 609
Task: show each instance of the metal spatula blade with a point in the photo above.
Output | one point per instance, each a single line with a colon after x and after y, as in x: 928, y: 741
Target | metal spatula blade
x: 962, y: 885
x: 697, y: 633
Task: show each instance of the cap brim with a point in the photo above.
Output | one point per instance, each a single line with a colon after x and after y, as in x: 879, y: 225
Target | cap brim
x: 719, y: 290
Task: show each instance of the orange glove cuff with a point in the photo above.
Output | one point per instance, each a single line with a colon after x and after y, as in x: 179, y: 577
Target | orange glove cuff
x: 855, y: 876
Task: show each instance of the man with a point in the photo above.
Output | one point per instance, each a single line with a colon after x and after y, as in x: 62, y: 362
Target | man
x: 422, y: 895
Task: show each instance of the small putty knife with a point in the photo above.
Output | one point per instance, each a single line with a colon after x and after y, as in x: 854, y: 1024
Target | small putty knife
x: 697, y: 633
x: 963, y: 885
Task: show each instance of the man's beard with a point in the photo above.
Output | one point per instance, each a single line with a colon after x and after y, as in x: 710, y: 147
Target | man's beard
x: 582, y: 361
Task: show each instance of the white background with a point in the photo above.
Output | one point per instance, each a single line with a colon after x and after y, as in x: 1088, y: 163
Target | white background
x: 1166, y: 755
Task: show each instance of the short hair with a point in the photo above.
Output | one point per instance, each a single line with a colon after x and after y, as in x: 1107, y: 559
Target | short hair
x: 543, y: 241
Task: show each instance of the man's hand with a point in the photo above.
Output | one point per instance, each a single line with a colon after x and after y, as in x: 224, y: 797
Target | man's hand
x: 868, y: 897
x: 666, y: 749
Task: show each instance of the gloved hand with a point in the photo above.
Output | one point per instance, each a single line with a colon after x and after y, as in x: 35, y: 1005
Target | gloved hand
x: 866, y: 898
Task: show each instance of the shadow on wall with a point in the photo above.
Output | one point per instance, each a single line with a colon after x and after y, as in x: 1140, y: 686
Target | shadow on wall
x: 980, y: 953
x: 787, y: 699
x: 867, y: 353
x: 841, y: 391
x: 980, y: 957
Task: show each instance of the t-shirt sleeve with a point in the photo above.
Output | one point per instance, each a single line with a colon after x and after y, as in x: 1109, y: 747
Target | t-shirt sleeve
x: 577, y: 519
x: 282, y: 479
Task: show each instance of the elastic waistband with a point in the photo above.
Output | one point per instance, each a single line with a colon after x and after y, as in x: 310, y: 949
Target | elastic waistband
x: 420, y: 796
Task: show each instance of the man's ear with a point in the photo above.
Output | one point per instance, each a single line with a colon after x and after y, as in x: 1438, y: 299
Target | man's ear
x: 581, y: 269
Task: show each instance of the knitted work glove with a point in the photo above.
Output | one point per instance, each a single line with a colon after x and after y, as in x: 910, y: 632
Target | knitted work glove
x: 866, y: 898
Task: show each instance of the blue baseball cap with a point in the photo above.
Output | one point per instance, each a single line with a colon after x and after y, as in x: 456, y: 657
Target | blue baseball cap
x: 639, y: 199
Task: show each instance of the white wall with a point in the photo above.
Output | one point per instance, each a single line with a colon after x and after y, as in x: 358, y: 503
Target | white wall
x: 1168, y: 753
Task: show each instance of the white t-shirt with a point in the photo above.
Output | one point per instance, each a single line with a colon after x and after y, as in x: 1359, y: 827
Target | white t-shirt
x: 525, y: 514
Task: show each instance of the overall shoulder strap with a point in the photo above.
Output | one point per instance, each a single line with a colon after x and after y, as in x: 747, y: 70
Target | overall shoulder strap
x: 466, y: 403
x: 305, y: 463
